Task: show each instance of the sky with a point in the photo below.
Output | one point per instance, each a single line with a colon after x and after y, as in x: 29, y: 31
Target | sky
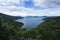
x: 30, y: 7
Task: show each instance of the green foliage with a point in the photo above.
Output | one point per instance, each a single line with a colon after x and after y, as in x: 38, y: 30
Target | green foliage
x: 48, y: 30
x: 8, y: 28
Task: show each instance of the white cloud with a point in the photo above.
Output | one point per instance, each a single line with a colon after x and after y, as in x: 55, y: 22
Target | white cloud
x: 39, y: 2
x: 8, y: 2
x: 10, y: 7
x: 43, y: 3
x: 46, y: 3
x: 15, y: 11
x: 22, y: 11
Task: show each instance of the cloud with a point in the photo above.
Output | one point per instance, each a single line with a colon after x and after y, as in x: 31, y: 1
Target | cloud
x: 22, y: 11
x: 17, y: 8
x: 8, y: 2
x: 12, y: 2
x: 46, y: 3
x: 43, y: 3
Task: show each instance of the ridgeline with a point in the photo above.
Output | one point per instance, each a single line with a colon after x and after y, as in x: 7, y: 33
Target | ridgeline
x: 4, y: 16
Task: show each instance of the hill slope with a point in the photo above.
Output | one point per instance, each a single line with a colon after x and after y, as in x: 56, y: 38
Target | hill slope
x: 8, y: 27
x: 50, y: 29
x: 9, y: 17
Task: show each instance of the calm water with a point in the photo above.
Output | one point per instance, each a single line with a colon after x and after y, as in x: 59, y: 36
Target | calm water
x: 30, y: 22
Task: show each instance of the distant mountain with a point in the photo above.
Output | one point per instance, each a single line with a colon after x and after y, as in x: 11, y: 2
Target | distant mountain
x: 4, y: 16
x: 36, y: 16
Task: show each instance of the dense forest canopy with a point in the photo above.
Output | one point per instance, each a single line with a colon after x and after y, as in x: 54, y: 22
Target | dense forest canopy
x: 11, y: 30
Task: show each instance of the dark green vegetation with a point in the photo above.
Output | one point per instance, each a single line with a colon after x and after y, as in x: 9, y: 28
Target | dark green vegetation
x: 8, y: 27
x: 48, y: 30
x: 9, y: 17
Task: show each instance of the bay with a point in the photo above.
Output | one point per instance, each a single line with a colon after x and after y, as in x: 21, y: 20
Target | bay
x: 30, y: 23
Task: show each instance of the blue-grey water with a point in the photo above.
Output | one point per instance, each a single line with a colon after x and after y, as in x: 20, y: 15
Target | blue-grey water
x: 30, y: 22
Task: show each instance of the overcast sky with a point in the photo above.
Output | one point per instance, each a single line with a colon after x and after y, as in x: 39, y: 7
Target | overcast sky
x: 30, y: 7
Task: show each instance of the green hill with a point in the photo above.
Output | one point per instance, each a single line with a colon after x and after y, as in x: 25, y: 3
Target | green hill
x: 50, y: 29
x: 9, y: 27
x: 11, y: 30
x: 4, y: 16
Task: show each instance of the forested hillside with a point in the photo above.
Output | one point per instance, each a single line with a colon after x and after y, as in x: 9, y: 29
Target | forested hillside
x: 4, y: 16
x: 48, y: 30
x: 9, y: 27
